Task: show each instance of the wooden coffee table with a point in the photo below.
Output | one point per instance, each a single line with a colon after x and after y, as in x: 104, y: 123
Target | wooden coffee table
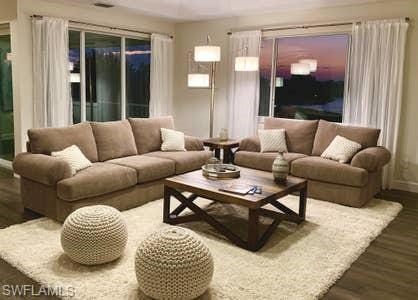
x: 200, y: 186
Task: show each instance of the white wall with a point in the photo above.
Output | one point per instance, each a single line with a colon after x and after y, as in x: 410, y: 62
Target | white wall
x: 8, y: 10
x: 192, y: 106
x: 22, y: 32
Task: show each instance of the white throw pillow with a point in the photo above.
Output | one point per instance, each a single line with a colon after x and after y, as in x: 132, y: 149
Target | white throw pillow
x: 172, y: 140
x: 341, y: 149
x: 74, y: 157
x: 272, y: 140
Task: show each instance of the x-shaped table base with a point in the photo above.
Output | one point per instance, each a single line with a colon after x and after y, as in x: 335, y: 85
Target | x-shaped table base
x: 254, y: 241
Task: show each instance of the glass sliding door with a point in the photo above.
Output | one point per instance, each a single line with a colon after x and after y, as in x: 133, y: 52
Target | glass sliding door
x: 103, y: 77
x: 138, y: 60
x: 265, y: 76
x: 99, y: 89
x: 6, y: 99
x: 75, y: 72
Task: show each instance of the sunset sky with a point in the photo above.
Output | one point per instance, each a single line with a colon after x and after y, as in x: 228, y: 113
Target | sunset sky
x: 329, y: 50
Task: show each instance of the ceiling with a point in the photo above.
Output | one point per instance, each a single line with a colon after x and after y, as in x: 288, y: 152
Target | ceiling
x: 193, y: 10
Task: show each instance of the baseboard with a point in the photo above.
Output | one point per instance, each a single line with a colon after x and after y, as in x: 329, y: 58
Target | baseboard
x: 408, y: 186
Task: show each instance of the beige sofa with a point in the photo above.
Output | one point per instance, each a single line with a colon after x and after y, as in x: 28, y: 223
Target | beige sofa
x: 128, y: 166
x: 351, y: 184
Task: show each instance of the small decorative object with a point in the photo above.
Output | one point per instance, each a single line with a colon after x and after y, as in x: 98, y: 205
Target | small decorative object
x: 173, y: 263
x: 280, y: 168
x: 94, y: 235
x: 212, y: 162
x: 223, y: 135
x: 219, y: 170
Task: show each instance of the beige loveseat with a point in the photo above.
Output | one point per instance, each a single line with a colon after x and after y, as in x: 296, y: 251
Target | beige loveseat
x: 128, y: 166
x: 351, y: 184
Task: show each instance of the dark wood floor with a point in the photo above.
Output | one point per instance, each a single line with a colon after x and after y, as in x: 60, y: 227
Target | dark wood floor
x: 387, y: 270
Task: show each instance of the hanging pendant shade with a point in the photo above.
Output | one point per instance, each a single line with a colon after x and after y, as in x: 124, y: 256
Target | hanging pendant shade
x: 75, y: 77
x: 207, y: 53
x: 299, y: 69
x: 279, y: 82
x: 198, y: 80
x: 313, y: 64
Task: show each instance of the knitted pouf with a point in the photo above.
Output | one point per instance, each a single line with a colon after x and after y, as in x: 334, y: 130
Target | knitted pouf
x: 94, y: 235
x: 173, y: 263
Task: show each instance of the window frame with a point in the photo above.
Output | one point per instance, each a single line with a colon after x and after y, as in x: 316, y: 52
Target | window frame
x: 5, y: 29
x: 300, y: 32
x: 83, y: 29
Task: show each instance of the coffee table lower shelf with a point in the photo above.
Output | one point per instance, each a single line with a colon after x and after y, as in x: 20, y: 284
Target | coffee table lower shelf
x: 255, y: 240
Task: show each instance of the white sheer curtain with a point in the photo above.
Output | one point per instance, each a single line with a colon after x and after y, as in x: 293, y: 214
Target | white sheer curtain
x: 161, y: 82
x: 374, y: 91
x: 52, y: 103
x: 243, y: 94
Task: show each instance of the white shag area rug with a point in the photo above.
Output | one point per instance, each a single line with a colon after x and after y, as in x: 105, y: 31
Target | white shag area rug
x: 298, y: 262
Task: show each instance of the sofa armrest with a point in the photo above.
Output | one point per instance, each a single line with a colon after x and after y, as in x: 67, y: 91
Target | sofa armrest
x: 371, y: 159
x: 192, y: 143
x: 41, y: 168
x: 251, y: 144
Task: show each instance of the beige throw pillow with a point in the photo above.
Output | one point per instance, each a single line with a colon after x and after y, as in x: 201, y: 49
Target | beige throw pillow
x: 74, y: 157
x: 172, y: 140
x: 272, y: 140
x: 341, y: 149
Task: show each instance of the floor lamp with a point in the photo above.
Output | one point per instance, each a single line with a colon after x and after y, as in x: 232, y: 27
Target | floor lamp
x: 212, y: 54
x: 209, y: 54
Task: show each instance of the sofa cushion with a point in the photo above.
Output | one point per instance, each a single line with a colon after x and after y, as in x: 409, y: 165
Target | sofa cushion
x: 322, y: 169
x: 147, y: 132
x: 114, y: 139
x: 74, y: 157
x: 147, y: 168
x: 327, y: 131
x: 341, y: 149
x: 250, y: 144
x: 300, y: 134
x: 262, y: 161
x: 185, y: 161
x: 172, y: 140
x: 47, y: 140
x: 272, y: 140
x: 99, y: 179
x: 192, y: 143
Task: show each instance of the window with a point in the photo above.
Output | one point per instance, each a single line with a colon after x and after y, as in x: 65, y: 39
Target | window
x: 75, y: 70
x: 103, y: 81
x: 302, y: 77
x: 6, y: 100
x: 138, y: 59
x: 108, y: 95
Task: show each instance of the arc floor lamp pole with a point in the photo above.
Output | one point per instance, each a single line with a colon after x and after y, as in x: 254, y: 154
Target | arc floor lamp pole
x: 212, y: 98
x: 209, y: 54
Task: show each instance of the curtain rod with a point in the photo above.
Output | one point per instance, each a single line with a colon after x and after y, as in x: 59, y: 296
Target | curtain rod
x: 107, y: 26
x: 407, y: 19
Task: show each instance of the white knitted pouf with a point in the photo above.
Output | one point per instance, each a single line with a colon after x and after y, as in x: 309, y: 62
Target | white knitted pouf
x: 173, y: 263
x: 94, y: 235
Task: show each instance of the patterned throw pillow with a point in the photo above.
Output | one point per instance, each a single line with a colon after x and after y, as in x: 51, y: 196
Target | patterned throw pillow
x: 74, y: 157
x: 341, y: 149
x: 172, y: 140
x: 272, y: 140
